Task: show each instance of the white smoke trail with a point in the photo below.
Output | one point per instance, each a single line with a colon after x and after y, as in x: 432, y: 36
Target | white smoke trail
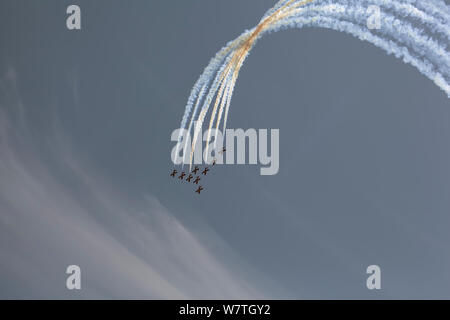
x: 430, y: 57
x: 400, y: 30
x: 389, y: 46
x: 202, y: 83
x: 201, y: 86
x: 406, y: 34
x: 415, y: 31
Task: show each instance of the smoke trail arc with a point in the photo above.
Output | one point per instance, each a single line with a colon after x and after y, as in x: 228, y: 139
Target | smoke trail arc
x: 415, y: 31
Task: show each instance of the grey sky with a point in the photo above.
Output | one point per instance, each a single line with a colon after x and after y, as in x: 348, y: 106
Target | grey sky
x: 86, y: 118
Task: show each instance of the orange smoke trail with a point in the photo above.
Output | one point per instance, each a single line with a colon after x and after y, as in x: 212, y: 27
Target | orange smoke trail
x: 235, y: 65
x: 399, y: 36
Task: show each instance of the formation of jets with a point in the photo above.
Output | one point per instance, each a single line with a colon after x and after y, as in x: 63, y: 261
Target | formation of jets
x: 189, y: 177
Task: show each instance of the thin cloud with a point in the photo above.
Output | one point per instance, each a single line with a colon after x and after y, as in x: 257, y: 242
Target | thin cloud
x: 58, y: 212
